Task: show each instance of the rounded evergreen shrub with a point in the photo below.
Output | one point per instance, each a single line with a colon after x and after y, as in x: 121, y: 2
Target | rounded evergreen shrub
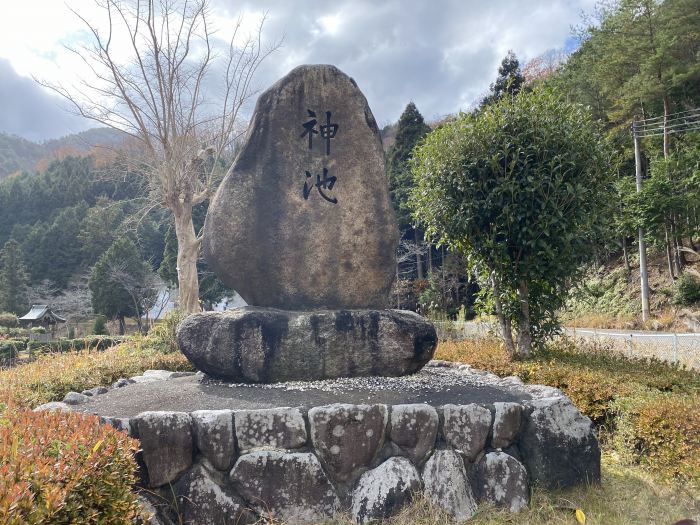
x: 686, y: 290
x: 38, y: 330
x: 100, y: 326
x: 58, y: 467
x: 8, y: 320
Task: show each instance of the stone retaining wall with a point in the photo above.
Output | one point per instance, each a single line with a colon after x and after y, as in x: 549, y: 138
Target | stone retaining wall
x: 300, y: 465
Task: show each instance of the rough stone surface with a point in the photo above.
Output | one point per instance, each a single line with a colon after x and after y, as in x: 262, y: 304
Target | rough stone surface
x: 382, y: 491
x: 275, y: 247
x: 447, y: 485
x: 204, y: 501
x: 166, y: 441
x: 501, y: 480
x: 120, y: 423
x: 74, y: 398
x: 120, y: 383
x: 54, y: 405
x: 466, y: 428
x: 348, y: 438
x: 263, y: 345
x: 435, y: 386
x: 95, y: 391
x: 506, y: 424
x: 214, y: 438
x: 559, y: 445
x: 291, y: 487
x: 414, y: 429
x: 281, y: 428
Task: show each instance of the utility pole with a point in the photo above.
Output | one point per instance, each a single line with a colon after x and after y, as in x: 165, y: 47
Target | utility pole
x: 644, y: 276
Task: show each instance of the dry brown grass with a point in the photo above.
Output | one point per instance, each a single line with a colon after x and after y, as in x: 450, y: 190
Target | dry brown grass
x: 52, y: 376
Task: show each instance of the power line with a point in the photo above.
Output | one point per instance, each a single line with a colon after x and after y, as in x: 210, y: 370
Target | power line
x: 671, y: 115
x: 671, y: 123
x: 661, y: 132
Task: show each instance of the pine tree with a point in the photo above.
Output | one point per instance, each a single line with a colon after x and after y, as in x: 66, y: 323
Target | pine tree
x: 510, y: 79
x: 411, y: 129
x: 13, y: 279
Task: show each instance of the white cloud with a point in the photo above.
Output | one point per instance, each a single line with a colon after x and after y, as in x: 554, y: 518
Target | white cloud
x: 442, y: 54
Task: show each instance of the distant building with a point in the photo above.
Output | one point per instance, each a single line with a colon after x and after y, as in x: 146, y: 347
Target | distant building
x: 41, y: 315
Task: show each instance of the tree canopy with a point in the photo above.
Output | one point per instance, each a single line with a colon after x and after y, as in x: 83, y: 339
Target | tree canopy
x: 519, y: 188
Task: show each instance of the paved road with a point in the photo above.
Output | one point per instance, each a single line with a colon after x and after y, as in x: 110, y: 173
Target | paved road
x: 651, y: 334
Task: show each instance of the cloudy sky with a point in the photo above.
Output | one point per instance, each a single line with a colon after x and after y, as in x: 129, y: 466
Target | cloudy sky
x: 442, y: 54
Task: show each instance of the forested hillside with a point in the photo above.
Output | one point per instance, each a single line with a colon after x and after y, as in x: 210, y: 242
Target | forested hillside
x: 636, y: 60
x: 18, y: 154
x: 65, y: 220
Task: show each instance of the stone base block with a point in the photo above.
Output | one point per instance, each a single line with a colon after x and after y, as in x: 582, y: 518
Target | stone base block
x: 265, y: 345
x: 306, y: 465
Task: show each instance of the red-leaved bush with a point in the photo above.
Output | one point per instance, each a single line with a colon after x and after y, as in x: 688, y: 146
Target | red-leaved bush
x: 64, y: 468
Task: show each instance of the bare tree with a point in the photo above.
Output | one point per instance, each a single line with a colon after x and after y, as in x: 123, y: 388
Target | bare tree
x: 142, y: 289
x: 157, y: 96
x: 72, y: 303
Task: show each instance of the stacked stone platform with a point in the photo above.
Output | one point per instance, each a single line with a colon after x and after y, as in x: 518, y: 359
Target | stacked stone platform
x: 308, y: 463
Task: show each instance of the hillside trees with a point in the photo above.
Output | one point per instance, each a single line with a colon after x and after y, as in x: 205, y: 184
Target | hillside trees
x: 520, y: 189
x: 157, y: 96
x: 641, y: 59
x: 13, y: 279
x: 410, y: 131
x: 121, y: 284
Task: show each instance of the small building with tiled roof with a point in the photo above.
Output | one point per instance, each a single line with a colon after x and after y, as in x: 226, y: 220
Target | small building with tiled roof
x: 40, y: 315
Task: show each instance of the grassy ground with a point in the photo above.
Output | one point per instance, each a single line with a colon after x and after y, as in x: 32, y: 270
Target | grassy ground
x: 52, y: 376
x: 609, y: 297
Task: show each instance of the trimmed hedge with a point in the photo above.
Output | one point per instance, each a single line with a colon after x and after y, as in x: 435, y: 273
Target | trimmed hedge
x: 9, y: 348
x: 65, y: 468
x: 96, y: 342
x: 661, y: 431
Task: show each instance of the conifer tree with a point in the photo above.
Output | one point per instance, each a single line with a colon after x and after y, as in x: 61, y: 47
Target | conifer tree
x: 13, y: 279
x: 510, y: 79
x: 120, y: 283
x: 410, y: 131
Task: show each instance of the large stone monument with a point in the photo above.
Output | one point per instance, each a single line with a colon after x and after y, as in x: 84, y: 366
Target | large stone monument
x: 303, y: 229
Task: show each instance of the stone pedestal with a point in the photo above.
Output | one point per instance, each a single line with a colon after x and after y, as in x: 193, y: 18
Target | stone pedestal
x: 265, y: 345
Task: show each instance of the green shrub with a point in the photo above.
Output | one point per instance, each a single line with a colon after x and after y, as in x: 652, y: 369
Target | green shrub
x: 65, y: 468
x: 9, y: 348
x: 38, y: 330
x: 93, y: 342
x: 661, y: 430
x: 686, y: 290
x: 100, y: 326
x: 9, y: 320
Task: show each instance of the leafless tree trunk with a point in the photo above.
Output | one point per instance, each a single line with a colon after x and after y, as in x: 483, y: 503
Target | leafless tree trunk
x: 157, y: 96
x: 419, y: 262
x: 524, y: 338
